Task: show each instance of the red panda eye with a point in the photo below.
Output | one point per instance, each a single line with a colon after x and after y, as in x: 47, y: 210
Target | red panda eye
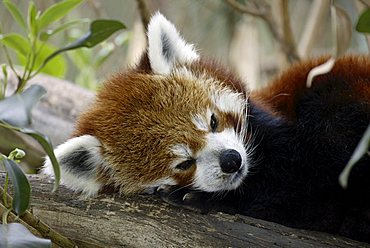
x: 214, y: 123
x: 185, y: 165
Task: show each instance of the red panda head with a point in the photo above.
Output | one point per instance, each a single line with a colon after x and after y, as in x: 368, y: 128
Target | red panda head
x: 173, y: 120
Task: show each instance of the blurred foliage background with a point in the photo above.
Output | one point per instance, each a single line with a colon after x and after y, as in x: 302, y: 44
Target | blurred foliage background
x: 243, y: 42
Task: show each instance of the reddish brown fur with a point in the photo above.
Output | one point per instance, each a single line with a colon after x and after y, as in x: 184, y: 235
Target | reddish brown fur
x: 138, y: 116
x: 130, y: 104
x: 125, y: 134
x: 215, y: 70
x: 283, y: 92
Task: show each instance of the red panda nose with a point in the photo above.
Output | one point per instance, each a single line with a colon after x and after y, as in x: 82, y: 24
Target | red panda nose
x: 230, y: 161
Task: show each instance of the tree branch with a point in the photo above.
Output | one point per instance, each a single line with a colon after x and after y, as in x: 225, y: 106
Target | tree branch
x: 319, y: 9
x: 146, y: 221
x: 246, y: 9
x: 42, y: 228
x: 144, y: 13
x: 263, y: 11
x: 288, y: 40
x: 365, y: 2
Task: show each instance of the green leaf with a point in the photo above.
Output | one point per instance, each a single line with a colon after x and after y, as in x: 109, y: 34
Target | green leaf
x: 31, y: 18
x: 17, y: 15
x: 45, y: 142
x: 16, y: 110
x: 56, y: 12
x: 361, y: 149
x: 56, y: 67
x: 22, y: 189
x: 99, y: 31
x: 15, y: 235
x: 363, y: 23
x: 16, y: 42
x: 16, y: 154
x: 48, y: 33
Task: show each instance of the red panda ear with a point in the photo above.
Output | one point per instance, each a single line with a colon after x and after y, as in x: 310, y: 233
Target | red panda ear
x: 166, y: 47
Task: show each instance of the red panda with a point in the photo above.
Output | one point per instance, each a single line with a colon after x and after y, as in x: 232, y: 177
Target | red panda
x: 179, y: 120
x: 172, y: 120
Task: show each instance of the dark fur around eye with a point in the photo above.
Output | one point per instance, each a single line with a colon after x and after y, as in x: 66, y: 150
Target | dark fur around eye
x: 185, y: 165
x: 214, y: 123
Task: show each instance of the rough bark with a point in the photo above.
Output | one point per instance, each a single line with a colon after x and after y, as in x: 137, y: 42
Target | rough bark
x: 146, y: 221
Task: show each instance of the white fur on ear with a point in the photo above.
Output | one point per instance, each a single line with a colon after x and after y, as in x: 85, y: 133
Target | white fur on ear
x: 166, y: 46
x: 79, y: 158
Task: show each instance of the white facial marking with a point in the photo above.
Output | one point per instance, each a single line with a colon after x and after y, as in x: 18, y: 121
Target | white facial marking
x: 209, y: 176
x: 201, y: 121
x: 228, y: 101
x: 182, y: 152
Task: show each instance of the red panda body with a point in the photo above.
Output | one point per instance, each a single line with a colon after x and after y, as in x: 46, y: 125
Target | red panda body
x: 303, y: 138
x: 347, y: 82
x: 306, y: 137
x: 275, y: 154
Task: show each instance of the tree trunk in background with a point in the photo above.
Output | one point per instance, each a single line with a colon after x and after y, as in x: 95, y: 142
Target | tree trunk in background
x: 244, y: 52
x: 319, y: 9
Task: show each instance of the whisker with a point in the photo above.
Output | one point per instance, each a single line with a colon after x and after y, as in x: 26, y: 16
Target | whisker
x: 182, y: 187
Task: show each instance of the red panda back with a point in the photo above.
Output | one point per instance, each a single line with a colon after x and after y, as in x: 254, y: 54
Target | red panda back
x: 348, y: 81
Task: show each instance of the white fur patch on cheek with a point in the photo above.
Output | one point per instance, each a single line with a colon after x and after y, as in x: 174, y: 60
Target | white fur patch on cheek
x: 206, y: 175
x: 166, y: 47
x: 209, y: 176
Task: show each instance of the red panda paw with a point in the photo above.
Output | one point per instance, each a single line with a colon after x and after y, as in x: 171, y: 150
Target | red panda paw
x: 196, y: 201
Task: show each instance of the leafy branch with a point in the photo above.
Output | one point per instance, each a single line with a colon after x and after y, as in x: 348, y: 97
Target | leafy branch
x: 31, y: 220
x: 36, y: 54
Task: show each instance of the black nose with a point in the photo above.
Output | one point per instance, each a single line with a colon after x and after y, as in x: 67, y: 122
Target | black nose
x: 230, y: 161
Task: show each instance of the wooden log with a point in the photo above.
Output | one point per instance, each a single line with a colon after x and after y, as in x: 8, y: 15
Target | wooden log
x: 147, y: 221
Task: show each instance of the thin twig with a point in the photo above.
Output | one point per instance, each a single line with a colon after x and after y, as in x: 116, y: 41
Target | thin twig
x: 289, y: 43
x: 263, y: 11
x: 144, y: 13
x: 245, y: 9
x: 33, y: 221
x: 365, y: 2
x: 10, y: 63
